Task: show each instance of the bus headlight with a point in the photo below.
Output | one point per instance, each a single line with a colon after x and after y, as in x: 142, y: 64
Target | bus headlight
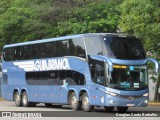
x: 113, y: 94
x: 146, y: 94
x: 110, y: 93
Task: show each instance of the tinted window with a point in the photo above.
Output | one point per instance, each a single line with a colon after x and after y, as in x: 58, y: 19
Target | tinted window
x: 61, y: 48
x: 76, y: 47
x: 93, y: 45
x: 25, y: 51
x: 124, y: 48
x: 74, y: 78
x: 97, y: 71
x: 55, y: 78
x: 36, y: 51
x: 9, y: 54
x: 72, y: 47
x: 48, y: 49
x: 37, y: 78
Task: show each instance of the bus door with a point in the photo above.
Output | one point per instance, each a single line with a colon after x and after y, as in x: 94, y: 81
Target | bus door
x: 62, y: 87
x: 99, y: 80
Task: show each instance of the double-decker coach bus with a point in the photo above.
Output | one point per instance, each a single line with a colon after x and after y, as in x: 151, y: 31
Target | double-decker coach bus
x: 85, y: 70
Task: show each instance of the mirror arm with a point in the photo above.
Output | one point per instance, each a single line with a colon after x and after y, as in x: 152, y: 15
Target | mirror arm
x: 155, y: 62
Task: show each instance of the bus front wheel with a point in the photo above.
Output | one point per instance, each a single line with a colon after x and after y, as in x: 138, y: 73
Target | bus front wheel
x: 17, y: 99
x: 75, y: 104
x: 86, y: 103
x: 122, y: 109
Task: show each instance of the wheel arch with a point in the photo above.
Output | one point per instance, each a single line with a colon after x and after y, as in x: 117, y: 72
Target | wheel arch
x: 69, y: 94
x: 25, y: 90
x: 82, y: 91
x: 14, y: 91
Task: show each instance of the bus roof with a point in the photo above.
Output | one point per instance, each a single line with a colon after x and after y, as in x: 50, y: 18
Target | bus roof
x: 61, y: 38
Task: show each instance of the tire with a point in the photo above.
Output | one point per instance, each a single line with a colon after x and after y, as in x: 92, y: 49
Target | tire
x: 25, y: 101
x: 86, y: 104
x: 122, y: 109
x: 108, y: 109
x: 18, y: 99
x: 75, y: 104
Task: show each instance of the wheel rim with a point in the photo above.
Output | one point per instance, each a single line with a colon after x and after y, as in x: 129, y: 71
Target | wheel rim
x: 25, y: 99
x: 17, y: 99
x: 86, y: 102
x: 74, y: 101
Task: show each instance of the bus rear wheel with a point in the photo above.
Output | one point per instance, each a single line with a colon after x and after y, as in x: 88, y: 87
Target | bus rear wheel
x: 86, y: 104
x: 122, y: 109
x: 17, y: 99
x: 75, y: 104
x: 25, y: 101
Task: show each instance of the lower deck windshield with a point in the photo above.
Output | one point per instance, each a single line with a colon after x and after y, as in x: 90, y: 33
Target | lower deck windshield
x: 128, y: 77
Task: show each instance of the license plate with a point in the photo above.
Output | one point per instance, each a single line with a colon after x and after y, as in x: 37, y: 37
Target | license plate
x: 130, y: 104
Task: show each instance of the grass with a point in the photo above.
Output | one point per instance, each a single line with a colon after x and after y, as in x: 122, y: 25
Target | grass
x: 154, y: 103
x: 1, y: 99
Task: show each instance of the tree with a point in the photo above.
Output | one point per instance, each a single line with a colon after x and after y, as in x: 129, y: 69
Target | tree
x: 141, y: 18
x: 20, y: 22
x: 34, y: 19
x: 101, y: 17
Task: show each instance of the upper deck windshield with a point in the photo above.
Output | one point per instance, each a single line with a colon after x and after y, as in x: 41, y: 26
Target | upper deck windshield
x: 129, y: 48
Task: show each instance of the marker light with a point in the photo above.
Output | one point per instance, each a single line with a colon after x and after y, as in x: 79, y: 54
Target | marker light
x: 145, y: 95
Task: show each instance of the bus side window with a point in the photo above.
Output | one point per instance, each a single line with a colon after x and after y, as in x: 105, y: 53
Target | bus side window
x: 97, y: 71
x: 74, y: 78
x: 62, y: 75
x: 53, y: 78
x: 26, y: 51
x: 61, y: 48
x: 76, y: 48
x: 48, y: 49
x: 36, y: 51
x: 10, y: 54
x: 18, y: 53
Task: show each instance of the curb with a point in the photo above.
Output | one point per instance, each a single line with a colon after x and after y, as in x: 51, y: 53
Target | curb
x: 154, y: 103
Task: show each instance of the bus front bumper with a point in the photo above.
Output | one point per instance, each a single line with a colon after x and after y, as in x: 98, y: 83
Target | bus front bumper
x: 130, y: 101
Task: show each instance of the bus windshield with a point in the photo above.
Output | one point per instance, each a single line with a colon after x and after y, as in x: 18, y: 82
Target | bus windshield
x: 128, y: 77
x: 129, y: 48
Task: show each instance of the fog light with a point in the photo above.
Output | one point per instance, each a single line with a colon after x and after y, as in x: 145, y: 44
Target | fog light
x: 111, y: 101
x: 146, y: 101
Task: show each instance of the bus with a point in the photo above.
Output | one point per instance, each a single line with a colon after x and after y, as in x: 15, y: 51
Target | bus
x: 84, y: 71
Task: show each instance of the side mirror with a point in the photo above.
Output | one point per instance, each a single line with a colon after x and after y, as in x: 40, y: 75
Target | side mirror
x: 155, y: 62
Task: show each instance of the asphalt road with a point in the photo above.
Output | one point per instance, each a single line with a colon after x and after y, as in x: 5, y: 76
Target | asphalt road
x: 67, y: 113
